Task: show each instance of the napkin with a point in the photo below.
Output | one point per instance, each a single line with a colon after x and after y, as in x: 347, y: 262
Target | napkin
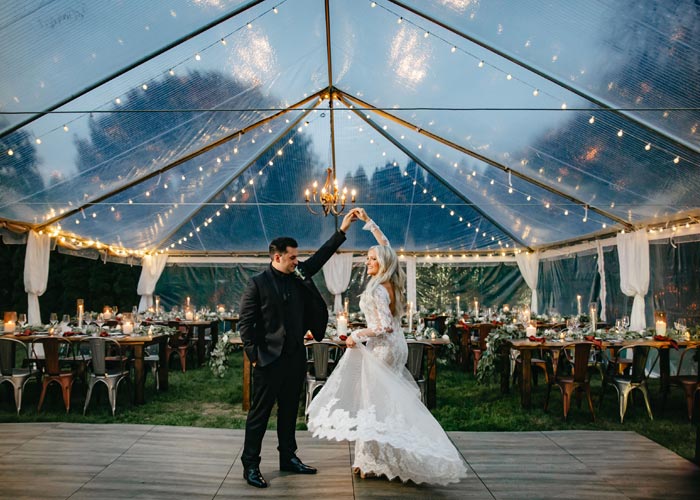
x: 661, y: 338
x: 591, y: 338
x: 532, y: 338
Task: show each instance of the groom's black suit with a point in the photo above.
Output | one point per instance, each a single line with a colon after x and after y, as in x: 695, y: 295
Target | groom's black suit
x: 276, y: 311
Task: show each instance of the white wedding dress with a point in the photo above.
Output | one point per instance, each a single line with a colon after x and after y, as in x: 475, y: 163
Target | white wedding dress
x: 371, y: 398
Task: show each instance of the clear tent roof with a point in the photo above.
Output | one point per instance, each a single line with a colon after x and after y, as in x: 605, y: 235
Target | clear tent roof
x: 464, y: 125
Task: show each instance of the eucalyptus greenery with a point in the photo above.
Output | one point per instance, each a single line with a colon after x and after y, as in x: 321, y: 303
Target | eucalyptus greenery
x: 218, y: 361
x: 492, y: 361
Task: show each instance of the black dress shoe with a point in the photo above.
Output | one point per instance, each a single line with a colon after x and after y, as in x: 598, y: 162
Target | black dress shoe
x: 297, y: 466
x: 253, y: 477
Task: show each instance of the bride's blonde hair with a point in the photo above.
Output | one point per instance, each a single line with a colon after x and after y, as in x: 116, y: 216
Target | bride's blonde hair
x: 389, y: 270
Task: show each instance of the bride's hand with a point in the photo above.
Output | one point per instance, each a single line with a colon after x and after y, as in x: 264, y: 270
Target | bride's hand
x: 350, y: 342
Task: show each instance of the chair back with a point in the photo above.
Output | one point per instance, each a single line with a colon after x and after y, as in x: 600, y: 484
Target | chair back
x: 321, y: 354
x: 687, y: 364
x: 582, y: 353
x: 415, y: 361
x: 7, y: 355
x: 54, y: 347
x: 181, y: 336
x: 640, y: 353
x: 437, y: 322
x: 98, y: 351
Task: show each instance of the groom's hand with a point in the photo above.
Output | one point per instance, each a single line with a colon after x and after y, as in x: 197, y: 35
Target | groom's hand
x: 350, y: 342
x: 349, y: 218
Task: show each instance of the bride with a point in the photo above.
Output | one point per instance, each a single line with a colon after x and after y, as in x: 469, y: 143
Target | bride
x: 371, y: 398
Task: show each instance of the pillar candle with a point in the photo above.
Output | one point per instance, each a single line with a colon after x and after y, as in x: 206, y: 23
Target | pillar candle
x: 9, y: 326
x: 189, y: 315
x: 346, y: 307
x: 531, y: 330
x: 661, y: 328
x: 458, y: 305
x: 578, y: 305
x: 128, y: 328
x: 342, y: 325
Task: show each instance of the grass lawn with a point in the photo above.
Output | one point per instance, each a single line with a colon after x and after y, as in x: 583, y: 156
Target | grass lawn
x: 198, y: 399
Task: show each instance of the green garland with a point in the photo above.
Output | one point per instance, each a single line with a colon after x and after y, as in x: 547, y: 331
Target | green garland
x: 492, y: 361
x: 218, y: 361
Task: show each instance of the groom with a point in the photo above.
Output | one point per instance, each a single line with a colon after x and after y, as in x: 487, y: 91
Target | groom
x: 278, y: 306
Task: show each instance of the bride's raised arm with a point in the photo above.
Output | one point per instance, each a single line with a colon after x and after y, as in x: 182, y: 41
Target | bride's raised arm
x: 372, y: 226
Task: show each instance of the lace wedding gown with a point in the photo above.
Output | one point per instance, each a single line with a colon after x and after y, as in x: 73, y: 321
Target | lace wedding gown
x: 371, y: 398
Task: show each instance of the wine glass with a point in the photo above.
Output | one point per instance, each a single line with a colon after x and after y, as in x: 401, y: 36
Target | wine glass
x: 680, y: 325
x: 100, y: 320
x: 53, y: 319
x: 625, y: 322
x: 22, y: 320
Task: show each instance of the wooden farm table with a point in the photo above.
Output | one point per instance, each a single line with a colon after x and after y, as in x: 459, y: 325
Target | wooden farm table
x: 138, y: 343
x: 430, y: 387
x: 525, y: 347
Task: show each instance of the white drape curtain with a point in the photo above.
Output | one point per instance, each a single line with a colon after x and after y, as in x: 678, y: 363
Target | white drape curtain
x: 337, y: 273
x: 151, y: 268
x: 529, y: 265
x: 36, y: 273
x: 633, y: 252
x: 603, y: 290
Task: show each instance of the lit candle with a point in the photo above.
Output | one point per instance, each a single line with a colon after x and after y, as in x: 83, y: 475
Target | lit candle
x: 476, y: 307
x: 562, y: 335
x: 107, y: 313
x: 458, y: 312
x: 158, y: 303
x: 578, y: 305
x: 80, y: 312
x: 506, y: 308
x: 531, y: 330
x: 686, y: 335
x: 661, y: 328
x: 347, y: 306
x: 9, y: 326
x: 342, y: 325
x: 128, y: 328
x: 188, y: 302
x: 221, y: 309
x: 189, y: 315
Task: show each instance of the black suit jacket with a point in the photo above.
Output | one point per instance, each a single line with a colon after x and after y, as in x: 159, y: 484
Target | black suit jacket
x: 261, y: 320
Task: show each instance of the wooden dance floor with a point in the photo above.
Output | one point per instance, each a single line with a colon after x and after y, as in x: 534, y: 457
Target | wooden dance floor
x: 86, y: 461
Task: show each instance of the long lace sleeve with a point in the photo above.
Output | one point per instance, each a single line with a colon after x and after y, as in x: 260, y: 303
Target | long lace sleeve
x: 372, y: 226
x: 379, y: 318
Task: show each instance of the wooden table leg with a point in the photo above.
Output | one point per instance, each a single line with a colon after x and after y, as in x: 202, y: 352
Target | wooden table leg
x: 505, y: 370
x: 664, y: 369
x: 163, y: 364
x: 246, y: 382
x: 430, y: 387
x: 139, y: 378
x: 201, y: 345
x: 525, y: 378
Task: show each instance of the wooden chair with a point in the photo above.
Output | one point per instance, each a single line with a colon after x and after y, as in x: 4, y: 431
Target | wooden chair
x: 102, y: 350
x: 624, y: 384
x: 415, y: 363
x: 686, y: 379
x: 321, y: 353
x: 578, y: 382
x: 178, y: 343
x: 12, y: 353
x: 58, y: 352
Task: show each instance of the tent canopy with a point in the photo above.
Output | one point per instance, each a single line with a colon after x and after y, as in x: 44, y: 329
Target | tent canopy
x: 466, y: 126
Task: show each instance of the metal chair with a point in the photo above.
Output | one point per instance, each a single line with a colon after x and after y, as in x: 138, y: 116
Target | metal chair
x: 579, y: 382
x: 415, y: 363
x: 625, y: 384
x: 178, y: 343
x: 99, y: 371
x: 686, y: 379
x: 320, y: 356
x: 16, y: 377
x: 58, y: 352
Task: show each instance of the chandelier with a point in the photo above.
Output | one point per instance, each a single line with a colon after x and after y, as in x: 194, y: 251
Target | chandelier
x: 331, y: 199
